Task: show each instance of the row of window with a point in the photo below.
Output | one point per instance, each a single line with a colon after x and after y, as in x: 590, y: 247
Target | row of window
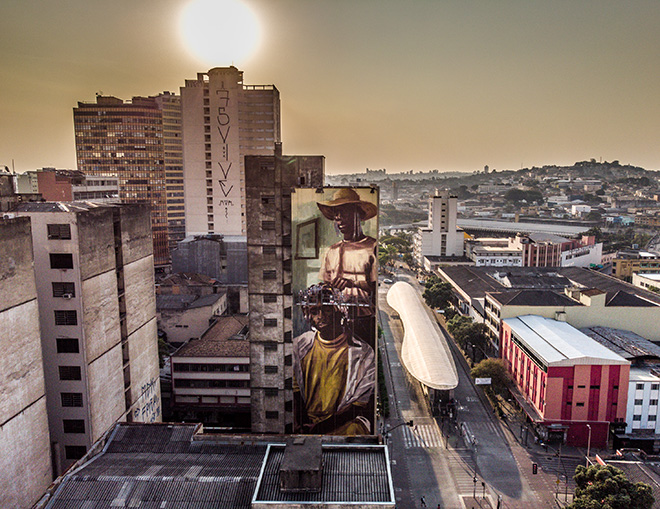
x: 211, y: 384
x: 210, y: 368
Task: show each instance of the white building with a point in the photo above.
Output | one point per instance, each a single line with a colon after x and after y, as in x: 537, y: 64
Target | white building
x: 580, y: 209
x: 643, y: 395
x: 582, y: 256
x: 94, y: 269
x: 648, y: 281
x: 223, y: 120
x: 442, y: 237
x: 493, y: 252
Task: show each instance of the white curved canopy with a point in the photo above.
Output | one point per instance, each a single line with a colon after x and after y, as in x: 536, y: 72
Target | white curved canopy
x: 424, y: 352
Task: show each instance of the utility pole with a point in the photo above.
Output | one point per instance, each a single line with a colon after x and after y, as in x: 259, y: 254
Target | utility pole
x: 588, y: 445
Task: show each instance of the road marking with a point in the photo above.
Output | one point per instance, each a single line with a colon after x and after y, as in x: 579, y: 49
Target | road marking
x: 424, y: 436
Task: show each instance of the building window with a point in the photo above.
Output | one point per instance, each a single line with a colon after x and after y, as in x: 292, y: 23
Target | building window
x: 579, y: 404
x: 594, y: 387
x: 639, y: 387
x: 288, y: 406
x: 270, y: 298
x: 267, y: 225
x: 66, y: 290
x: 270, y: 274
x: 268, y: 250
x: 288, y: 383
x: 59, y: 231
x: 270, y: 370
x: 66, y: 317
x: 637, y: 417
x: 287, y: 360
x: 653, y: 402
x: 270, y: 347
x: 61, y: 261
x: 271, y: 392
x: 271, y: 414
x: 67, y: 345
x: 70, y: 373
x: 74, y: 452
x: 270, y: 322
x: 652, y: 417
x: 288, y: 337
x: 267, y: 199
x: 655, y: 387
x: 639, y: 401
x: 73, y: 425
x: 71, y: 399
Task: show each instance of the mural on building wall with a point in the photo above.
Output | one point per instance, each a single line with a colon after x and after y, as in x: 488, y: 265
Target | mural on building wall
x: 334, y: 283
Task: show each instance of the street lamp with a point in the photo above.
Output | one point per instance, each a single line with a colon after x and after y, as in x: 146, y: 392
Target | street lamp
x: 588, y: 445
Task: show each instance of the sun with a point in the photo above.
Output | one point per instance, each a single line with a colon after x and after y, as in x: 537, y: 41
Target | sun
x: 220, y: 32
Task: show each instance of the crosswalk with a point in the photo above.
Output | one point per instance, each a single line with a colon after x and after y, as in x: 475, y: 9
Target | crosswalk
x: 422, y: 435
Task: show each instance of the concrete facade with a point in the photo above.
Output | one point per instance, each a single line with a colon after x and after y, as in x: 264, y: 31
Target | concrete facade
x: 223, y: 121
x: 95, y: 286
x: 270, y: 181
x: 24, y: 436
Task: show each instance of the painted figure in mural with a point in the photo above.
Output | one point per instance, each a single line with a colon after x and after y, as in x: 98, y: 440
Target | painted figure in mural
x: 334, y: 372
x: 351, y: 265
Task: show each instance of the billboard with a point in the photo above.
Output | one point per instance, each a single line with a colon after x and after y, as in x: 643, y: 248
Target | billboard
x: 334, y: 241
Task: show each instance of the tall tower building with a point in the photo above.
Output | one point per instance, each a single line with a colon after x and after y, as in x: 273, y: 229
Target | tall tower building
x: 223, y: 121
x: 442, y: 237
x: 270, y: 181
x: 137, y: 141
x: 97, y: 312
x: 25, y: 466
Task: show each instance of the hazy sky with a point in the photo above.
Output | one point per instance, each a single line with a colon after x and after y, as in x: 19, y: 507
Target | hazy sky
x: 396, y: 84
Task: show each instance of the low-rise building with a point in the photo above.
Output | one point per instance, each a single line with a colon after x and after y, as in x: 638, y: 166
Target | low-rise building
x: 211, y: 376
x: 648, y: 281
x: 570, y: 385
x: 634, y: 261
x: 186, y: 317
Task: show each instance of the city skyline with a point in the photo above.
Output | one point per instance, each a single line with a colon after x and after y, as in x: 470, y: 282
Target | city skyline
x: 452, y: 86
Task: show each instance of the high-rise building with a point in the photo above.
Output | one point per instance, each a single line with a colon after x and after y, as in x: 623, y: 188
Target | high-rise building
x: 223, y: 121
x: 442, y: 238
x: 97, y: 312
x: 137, y: 141
x: 25, y: 466
x: 270, y: 181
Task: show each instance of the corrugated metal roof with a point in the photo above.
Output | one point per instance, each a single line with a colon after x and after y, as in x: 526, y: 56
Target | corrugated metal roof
x: 424, y: 352
x: 625, y: 343
x: 559, y: 343
x: 355, y: 475
x: 163, y: 465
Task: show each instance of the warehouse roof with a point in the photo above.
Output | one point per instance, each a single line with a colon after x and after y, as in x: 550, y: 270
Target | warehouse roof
x: 559, y: 344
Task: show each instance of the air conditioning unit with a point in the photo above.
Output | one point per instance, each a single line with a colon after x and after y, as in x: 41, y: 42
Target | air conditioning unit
x: 67, y: 296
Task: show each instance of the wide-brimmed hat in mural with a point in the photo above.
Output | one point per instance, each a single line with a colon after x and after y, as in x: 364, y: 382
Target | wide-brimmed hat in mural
x: 345, y: 196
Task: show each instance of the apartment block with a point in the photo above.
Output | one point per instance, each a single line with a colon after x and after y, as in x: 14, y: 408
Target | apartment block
x: 442, y: 237
x: 25, y: 462
x: 95, y: 286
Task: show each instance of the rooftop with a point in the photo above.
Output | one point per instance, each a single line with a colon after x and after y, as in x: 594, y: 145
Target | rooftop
x: 174, y: 465
x: 226, y: 338
x: 560, y: 344
x: 625, y: 343
x: 533, y: 298
x: 185, y: 301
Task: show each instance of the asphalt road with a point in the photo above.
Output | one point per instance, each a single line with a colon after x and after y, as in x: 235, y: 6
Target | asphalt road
x: 441, y: 465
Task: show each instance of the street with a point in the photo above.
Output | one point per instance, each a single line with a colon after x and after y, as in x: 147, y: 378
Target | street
x: 470, y: 464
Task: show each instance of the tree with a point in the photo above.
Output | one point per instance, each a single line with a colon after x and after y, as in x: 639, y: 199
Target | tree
x: 438, y: 295
x: 496, y: 371
x: 607, y: 487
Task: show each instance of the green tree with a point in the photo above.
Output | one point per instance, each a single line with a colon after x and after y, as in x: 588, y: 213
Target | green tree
x: 438, y: 295
x: 607, y: 487
x: 496, y: 371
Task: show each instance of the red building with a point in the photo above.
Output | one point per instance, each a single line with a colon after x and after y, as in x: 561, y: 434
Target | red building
x: 571, y: 386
